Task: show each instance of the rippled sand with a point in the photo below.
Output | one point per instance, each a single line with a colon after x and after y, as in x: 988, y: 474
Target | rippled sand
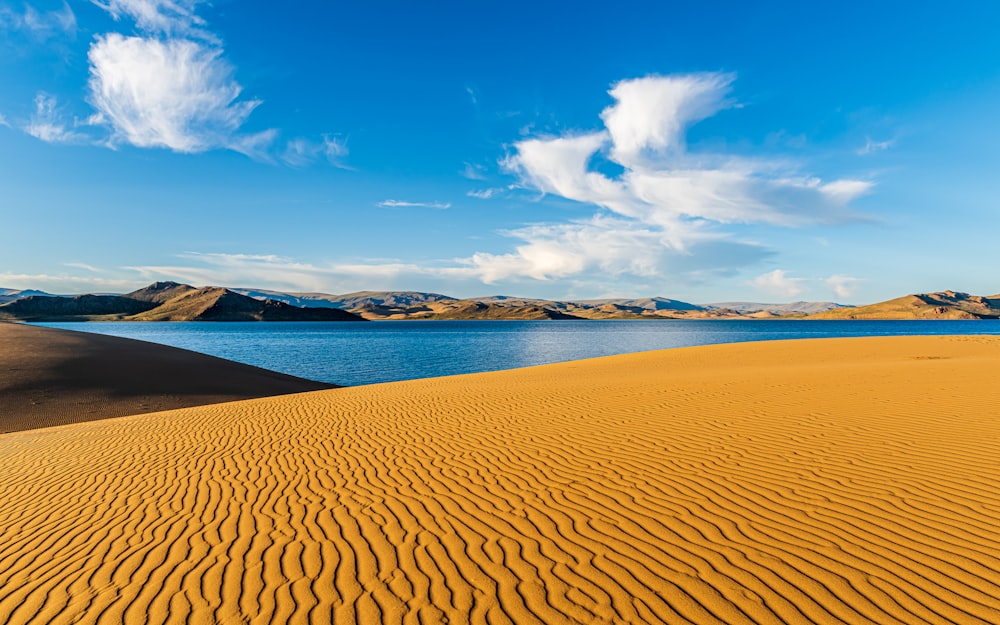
x: 845, y: 480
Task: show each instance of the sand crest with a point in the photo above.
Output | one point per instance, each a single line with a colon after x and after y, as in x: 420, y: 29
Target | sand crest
x: 826, y: 481
x: 53, y: 377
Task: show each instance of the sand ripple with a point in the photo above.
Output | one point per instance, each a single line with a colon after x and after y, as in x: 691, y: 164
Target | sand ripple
x: 849, y: 480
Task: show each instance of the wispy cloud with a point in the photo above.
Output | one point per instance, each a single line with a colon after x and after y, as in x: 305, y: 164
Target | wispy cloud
x: 170, y: 17
x: 266, y: 270
x: 67, y: 283
x: 474, y: 172
x: 405, y: 204
x: 83, y: 266
x: 3, y: 121
x: 40, y: 25
x: 779, y: 283
x: 175, y: 93
x: 300, y: 152
x: 610, y: 246
x: 843, y: 286
x: 485, y: 194
x: 47, y: 122
x: 870, y: 146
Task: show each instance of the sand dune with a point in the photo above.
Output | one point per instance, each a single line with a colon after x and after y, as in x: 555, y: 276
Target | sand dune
x: 847, y: 480
x: 53, y: 377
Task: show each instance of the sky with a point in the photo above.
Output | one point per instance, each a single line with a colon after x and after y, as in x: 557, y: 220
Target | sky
x: 702, y: 151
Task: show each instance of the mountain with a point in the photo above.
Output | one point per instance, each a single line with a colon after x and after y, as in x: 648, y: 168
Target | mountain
x: 644, y: 303
x: 807, y: 308
x: 349, y: 301
x: 160, y: 292
x: 481, y: 310
x: 79, y: 308
x: 166, y: 301
x: 219, y: 304
x: 941, y: 305
x: 173, y: 301
x: 397, y: 305
x: 10, y: 295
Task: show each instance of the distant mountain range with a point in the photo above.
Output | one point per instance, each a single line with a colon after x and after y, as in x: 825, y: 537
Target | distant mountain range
x: 415, y: 305
x: 942, y: 305
x: 805, y: 308
x: 165, y: 301
x: 9, y: 295
x: 171, y: 301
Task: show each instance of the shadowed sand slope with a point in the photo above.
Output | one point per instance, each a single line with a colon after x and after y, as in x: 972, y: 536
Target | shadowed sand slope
x: 53, y: 377
x: 847, y: 480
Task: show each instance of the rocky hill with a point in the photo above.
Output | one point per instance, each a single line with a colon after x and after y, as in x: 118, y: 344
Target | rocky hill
x: 166, y: 301
x: 79, y: 308
x: 941, y: 305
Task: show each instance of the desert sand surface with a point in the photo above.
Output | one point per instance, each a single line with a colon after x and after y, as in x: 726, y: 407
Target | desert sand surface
x: 53, y: 377
x: 820, y: 481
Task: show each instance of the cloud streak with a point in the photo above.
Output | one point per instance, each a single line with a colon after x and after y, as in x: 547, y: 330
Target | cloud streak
x: 170, y: 17
x: 405, y: 204
x: 47, y: 123
x: 301, y: 152
x: 40, y: 25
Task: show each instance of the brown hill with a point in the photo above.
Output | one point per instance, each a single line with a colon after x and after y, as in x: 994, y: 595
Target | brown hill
x: 218, y: 304
x: 165, y: 301
x: 79, y: 308
x: 160, y: 292
x: 481, y: 310
x: 941, y: 305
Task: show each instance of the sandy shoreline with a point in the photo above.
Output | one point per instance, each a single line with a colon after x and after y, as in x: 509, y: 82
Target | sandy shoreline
x: 54, y: 377
x: 818, y: 481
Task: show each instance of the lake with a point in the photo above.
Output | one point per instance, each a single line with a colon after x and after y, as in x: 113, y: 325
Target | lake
x: 386, y: 351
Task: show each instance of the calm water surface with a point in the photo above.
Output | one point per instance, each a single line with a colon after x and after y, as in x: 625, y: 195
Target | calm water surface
x: 365, y: 353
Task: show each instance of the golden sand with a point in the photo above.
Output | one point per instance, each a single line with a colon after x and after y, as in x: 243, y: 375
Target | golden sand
x: 846, y: 480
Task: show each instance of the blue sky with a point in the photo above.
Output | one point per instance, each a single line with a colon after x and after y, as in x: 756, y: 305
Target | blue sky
x: 704, y: 151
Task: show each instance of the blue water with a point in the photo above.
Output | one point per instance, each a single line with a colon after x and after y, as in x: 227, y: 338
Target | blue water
x: 365, y: 353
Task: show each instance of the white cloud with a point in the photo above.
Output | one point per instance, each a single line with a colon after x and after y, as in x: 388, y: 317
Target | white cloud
x: 300, y: 152
x: 171, y: 17
x: 175, y: 93
x: 648, y: 121
x: 611, y: 246
x: 47, y: 123
x: 474, y: 172
x: 485, y: 194
x: 3, y: 121
x: 266, y: 270
x: 41, y: 25
x: 68, y: 284
x: 663, y: 183
x: 842, y: 285
x: 548, y: 253
x: 870, y: 146
x: 405, y: 204
x: 677, y: 197
x: 779, y: 283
